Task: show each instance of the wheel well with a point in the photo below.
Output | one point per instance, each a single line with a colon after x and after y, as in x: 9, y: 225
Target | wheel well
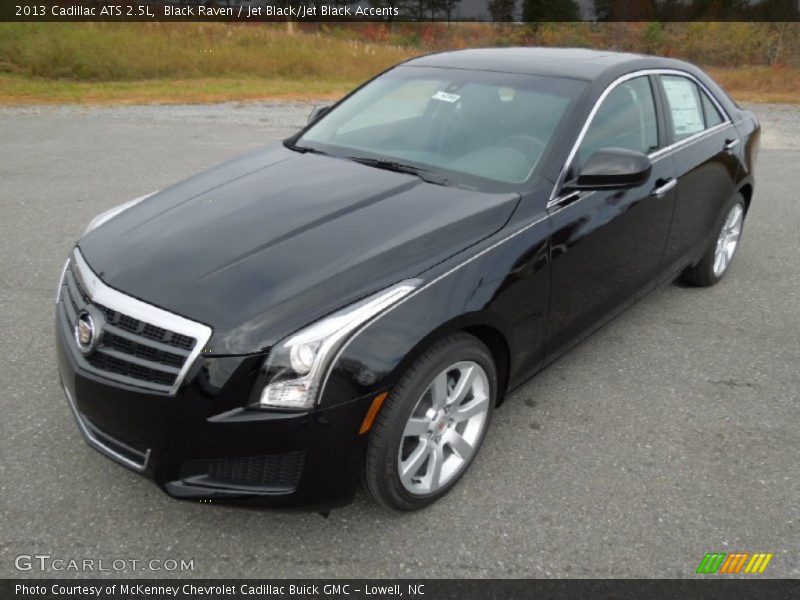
x: 747, y: 193
x: 498, y: 346
x: 491, y: 337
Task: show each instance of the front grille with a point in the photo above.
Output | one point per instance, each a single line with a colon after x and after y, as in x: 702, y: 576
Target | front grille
x: 146, y: 330
x: 131, y: 351
x: 128, y: 346
x: 102, y: 361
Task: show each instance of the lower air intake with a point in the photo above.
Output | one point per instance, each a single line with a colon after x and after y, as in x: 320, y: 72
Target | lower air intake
x: 270, y: 474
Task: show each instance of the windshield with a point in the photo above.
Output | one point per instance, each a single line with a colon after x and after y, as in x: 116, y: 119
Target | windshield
x: 464, y: 124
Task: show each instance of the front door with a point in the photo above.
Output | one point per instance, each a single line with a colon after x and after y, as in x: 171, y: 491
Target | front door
x: 607, y: 245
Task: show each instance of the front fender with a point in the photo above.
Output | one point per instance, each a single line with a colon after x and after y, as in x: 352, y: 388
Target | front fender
x: 503, y: 285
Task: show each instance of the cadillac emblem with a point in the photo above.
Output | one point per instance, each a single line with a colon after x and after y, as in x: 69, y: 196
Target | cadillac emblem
x: 85, y: 333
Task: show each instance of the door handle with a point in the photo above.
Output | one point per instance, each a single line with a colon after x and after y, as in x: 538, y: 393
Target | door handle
x: 731, y: 143
x: 663, y: 186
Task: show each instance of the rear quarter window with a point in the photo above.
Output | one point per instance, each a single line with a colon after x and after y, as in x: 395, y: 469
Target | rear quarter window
x: 712, y: 115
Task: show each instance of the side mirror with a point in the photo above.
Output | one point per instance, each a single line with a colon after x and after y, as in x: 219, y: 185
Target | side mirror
x: 612, y: 169
x: 317, y: 112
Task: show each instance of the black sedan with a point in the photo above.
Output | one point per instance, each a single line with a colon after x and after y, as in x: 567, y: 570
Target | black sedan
x: 353, y: 303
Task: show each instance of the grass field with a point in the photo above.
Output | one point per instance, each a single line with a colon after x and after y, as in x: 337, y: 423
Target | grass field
x: 759, y: 83
x: 21, y: 90
x: 133, y: 63
x: 746, y: 84
x: 92, y: 63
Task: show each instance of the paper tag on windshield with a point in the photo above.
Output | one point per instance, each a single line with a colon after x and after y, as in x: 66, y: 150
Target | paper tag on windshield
x: 445, y: 97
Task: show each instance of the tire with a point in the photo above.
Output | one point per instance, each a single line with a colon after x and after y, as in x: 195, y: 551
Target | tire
x: 403, y: 453
x: 711, y: 267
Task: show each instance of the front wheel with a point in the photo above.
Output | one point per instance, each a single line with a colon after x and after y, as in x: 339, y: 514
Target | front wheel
x: 715, y: 262
x: 432, y: 424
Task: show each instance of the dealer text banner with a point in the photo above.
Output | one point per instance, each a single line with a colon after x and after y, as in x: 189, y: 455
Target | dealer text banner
x: 393, y: 11
x: 365, y: 589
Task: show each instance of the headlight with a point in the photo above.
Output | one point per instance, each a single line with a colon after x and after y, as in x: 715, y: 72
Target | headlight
x: 295, y: 367
x: 113, y: 212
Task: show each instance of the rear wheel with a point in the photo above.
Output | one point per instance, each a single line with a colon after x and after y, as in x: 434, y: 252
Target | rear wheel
x: 432, y: 424
x: 715, y: 262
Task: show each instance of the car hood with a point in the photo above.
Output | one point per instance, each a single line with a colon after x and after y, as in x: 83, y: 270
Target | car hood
x: 266, y: 243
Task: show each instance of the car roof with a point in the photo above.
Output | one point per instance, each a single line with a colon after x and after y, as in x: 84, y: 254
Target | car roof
x: 576, y: 63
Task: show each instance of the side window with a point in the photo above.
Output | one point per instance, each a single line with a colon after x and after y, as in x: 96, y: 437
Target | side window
x: 626, y: 119
x: 711, y: 112
x: 684, y: 105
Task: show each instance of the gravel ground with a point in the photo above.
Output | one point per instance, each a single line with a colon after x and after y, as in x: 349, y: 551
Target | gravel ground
x: 670, y: 433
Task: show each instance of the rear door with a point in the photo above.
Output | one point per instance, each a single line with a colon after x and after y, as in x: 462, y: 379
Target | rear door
x: 705, y: 148
x: 607, y: 245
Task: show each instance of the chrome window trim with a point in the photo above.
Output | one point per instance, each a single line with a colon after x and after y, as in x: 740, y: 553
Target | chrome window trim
x: 688, y: 140
x: 116, y: 300
x: 98, y: 445
x: 610, y: 88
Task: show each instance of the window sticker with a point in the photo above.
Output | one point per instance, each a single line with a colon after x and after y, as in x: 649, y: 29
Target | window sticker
x: 506, y: 94
x: 445, y: 97
x: 687, y: 116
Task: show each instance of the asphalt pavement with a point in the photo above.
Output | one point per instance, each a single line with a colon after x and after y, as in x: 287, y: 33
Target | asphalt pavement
x: 672, y: 432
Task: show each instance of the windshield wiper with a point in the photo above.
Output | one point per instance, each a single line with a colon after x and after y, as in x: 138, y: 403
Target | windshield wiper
x: 305, y: 149
x: 397, y: 167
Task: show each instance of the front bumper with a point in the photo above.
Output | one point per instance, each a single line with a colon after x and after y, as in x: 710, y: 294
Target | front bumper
x: 200, y: 443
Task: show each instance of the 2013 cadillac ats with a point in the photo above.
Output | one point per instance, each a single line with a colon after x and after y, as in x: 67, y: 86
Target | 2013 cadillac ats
x: 354, y: 302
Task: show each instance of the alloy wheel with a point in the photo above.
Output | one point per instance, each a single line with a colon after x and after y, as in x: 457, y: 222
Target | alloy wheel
x: 728, y: 239
x: 445, y: 428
